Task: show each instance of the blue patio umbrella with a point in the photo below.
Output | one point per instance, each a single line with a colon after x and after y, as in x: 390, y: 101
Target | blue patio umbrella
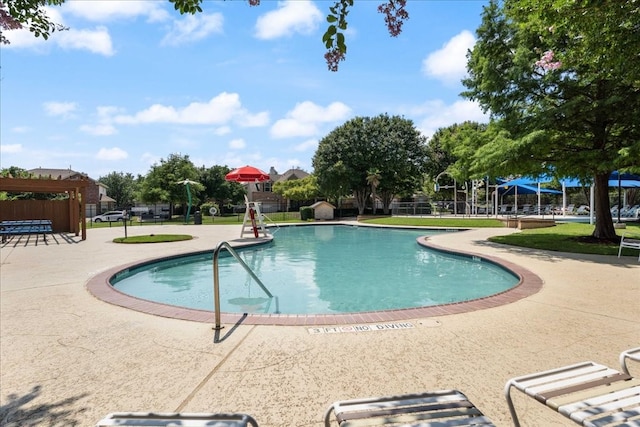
x: 521, y: 186
x: 616, y: 179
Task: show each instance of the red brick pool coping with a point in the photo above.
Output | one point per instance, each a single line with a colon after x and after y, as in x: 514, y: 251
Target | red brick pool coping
x: 528, y: 284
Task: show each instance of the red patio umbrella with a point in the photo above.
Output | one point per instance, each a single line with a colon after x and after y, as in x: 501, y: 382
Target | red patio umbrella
x: 247, y: 174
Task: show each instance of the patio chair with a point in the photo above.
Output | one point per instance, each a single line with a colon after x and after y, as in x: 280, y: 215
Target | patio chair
x: 628, y: 243
x: 436, y: 408
x: 158, y: 419
x: 590, y: 394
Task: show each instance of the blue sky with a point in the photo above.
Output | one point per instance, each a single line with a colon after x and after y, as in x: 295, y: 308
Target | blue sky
x: 132, y: 82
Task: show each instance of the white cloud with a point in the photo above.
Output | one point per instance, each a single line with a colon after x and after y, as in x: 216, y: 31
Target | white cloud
x: 64, y: 109
x: 95, y: 41
x: 305, y: 118
x: 99, y: 129
x: 253, y: 120
x: 434, y: 115
x: 114, y: 153
x: 104, y: 127
x: 307, y: 145
x: 286, y: 128
x: 233, y: 160
x: 449, y: 63
x: 23, y: 38
x: 219, y: 110
x: 222, y: 130
x: 150, y: 159
x: 20, y: 129
x: 10, y: 148
x: 114, y: 10
x: 106, y: 112
x: 193, y: 28
x: 292, y: 16
x: 237, y: 144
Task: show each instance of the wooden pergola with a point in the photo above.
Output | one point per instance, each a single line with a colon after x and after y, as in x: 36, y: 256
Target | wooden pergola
x: 75, y: 188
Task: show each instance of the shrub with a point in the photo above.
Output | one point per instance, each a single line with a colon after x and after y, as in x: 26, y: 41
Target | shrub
x: 306, y: 213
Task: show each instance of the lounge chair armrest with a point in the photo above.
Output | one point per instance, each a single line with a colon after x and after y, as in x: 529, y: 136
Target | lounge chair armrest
x: 633, y: 354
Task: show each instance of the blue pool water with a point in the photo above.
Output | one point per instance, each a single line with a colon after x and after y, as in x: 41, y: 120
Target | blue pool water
x: 321, y: 269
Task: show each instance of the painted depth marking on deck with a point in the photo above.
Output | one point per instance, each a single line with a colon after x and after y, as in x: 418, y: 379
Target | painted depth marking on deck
x: 361, y: 328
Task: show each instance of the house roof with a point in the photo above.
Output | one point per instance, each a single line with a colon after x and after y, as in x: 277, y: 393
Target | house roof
x: 322, y: 203
x: 58, y: 173
x: 292, y: 174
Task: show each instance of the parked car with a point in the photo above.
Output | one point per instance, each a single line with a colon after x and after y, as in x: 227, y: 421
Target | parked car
x: 110, y: 216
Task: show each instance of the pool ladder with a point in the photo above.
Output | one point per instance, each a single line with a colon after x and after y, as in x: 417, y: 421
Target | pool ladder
x: 216, y: 279
x: 273, y: 222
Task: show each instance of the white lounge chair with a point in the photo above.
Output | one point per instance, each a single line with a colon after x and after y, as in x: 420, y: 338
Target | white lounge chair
x: 158, y: 419
x: 590, y: 394
x: 628, y: 243
x: 583, y: 210
x: 431, y: 409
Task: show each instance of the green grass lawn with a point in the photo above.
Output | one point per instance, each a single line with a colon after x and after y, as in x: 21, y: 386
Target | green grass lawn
x: 153, y: 238
x: 564, y: 237
x: 569, y: 237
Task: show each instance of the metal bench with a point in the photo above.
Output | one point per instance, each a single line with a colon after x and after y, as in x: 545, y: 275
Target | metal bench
x: 25, y: 227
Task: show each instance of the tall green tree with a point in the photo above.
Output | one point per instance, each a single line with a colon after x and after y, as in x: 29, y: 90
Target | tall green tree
x: 217, y: 188
x: 163, y: 182
x: 390, y: 144
x: 15, y: 172
x: 442, y: 145
x: 373, y: 179
x: 334, y: 182
x: 121, y: 187
x: 299, y: 190
x: 562, y: 83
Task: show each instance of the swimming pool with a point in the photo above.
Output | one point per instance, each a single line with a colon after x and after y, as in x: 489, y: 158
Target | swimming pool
x: 323, y: 269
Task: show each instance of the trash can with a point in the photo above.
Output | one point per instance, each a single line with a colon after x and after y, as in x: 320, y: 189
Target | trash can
x: 197, y: 217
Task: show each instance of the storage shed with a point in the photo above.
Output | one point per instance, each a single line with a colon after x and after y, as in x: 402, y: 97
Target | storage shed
x: 323, y: 210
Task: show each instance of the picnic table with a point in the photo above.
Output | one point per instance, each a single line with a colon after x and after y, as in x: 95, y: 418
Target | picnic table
x: 25, y: 227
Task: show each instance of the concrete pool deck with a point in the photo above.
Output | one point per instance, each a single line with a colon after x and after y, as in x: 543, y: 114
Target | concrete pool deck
x: 68, y: 358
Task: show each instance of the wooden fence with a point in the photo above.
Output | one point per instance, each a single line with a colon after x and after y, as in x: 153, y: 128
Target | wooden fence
x: 55, y: 210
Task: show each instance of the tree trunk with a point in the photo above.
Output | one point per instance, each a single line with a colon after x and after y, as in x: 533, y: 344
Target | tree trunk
x: 387, y: 198
x: 604, y: 223
x: 373, y: 200
x: 361, y: 199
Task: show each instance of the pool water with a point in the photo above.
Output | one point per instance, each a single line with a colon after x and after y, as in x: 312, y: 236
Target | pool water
x: 322, y: 269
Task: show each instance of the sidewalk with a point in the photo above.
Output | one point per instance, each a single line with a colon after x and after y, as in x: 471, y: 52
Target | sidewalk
x: 67, y: 358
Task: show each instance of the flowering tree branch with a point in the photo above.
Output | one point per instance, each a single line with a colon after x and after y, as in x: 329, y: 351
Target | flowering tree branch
x: 546, y: 62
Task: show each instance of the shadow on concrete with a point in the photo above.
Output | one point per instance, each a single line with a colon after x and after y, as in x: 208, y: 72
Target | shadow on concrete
x: 216, y: 336
x: 557, y: 256
x: 39, y: 240
x: 27, y: 411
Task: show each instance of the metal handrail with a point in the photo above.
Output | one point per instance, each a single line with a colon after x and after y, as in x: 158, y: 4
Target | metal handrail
x: 216, y: 279
x: 272, y: 221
